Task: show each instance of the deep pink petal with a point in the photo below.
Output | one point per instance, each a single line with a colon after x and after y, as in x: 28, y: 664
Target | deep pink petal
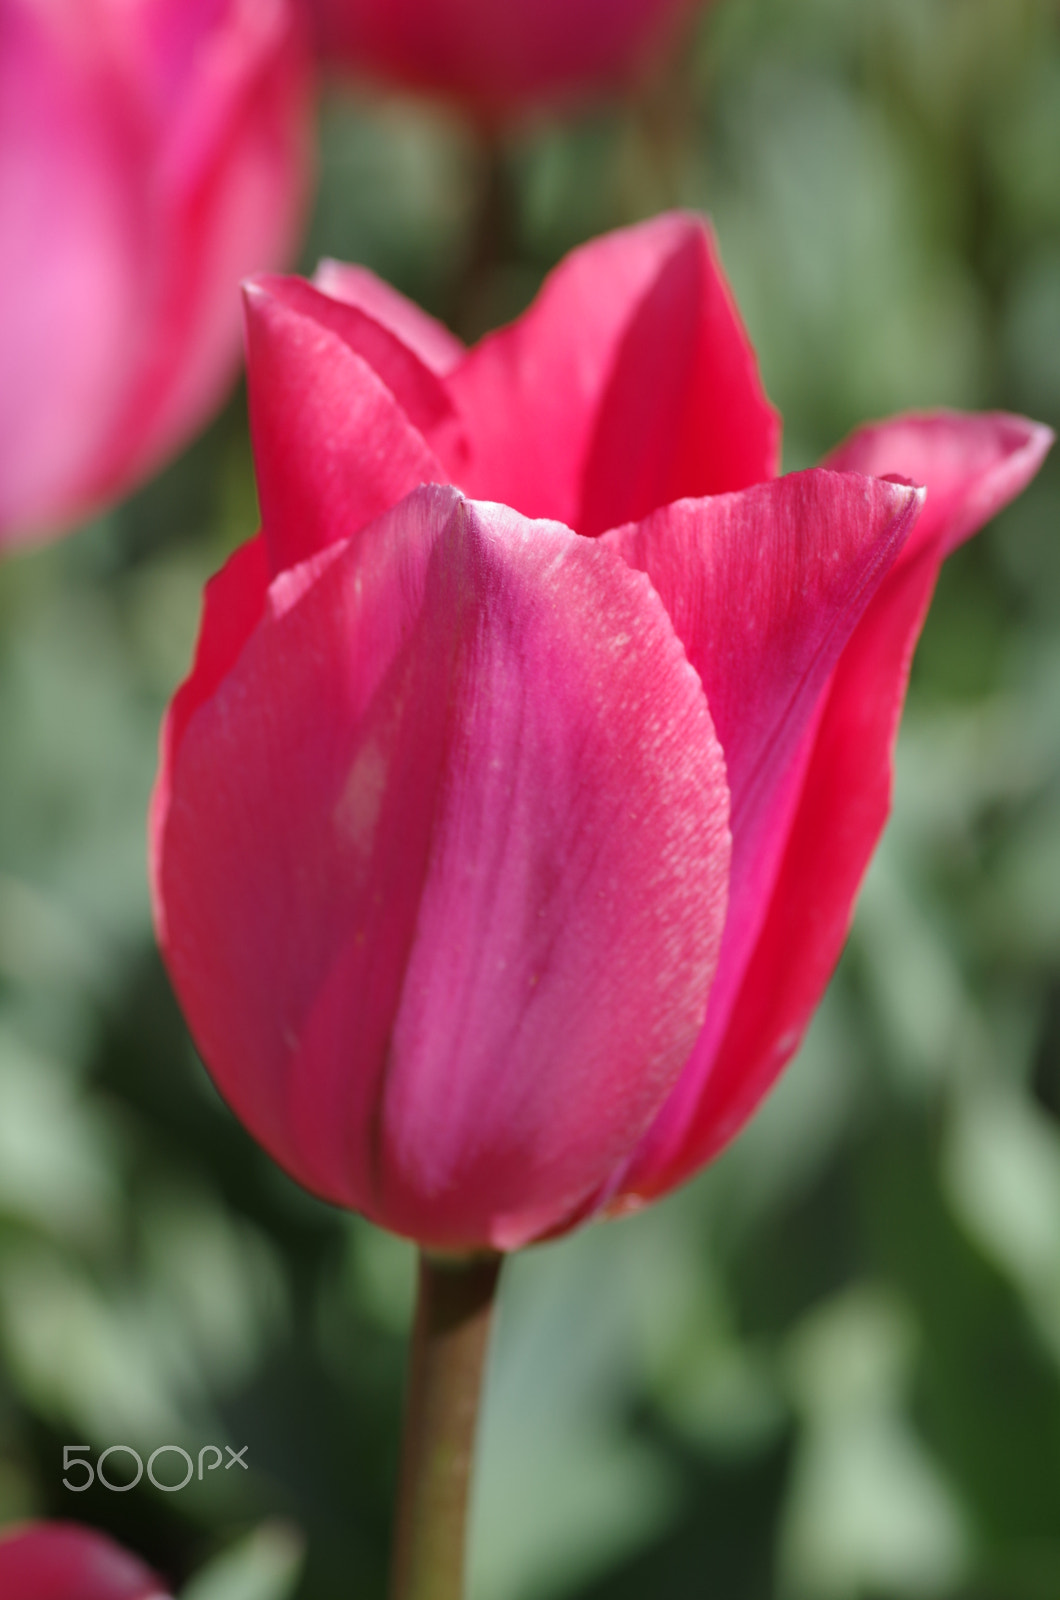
x: 419, y: 391
x: 442, y: 868
x: 333, y: 447
x: 684, y: 412
x: 233, y: 606
x: 971, y: 466
x: 629, y: 382
x: 62, y: 1561
x: 430, y: 339
x: 764, y: 589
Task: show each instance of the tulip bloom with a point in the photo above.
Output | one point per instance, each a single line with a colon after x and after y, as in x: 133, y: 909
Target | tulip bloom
x: 495, y: 56
x: 62, y: 1561
x: 152, y: 153
x: 507, y: 834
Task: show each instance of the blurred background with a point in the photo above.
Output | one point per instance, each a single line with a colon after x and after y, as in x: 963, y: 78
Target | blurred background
x: 829, y: 1369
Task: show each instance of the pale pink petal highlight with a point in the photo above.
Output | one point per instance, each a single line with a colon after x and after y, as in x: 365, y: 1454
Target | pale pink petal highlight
x: 150, y: 156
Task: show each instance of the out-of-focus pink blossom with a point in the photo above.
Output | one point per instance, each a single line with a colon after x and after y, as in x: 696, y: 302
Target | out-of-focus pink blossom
x: 477, y: 929
x: 64, y: 1561
x: 497, y: 56
x: 152, y: 152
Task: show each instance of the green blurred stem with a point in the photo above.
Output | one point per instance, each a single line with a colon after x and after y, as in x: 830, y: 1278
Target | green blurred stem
x: 492, y: 242
x: 454, y: 1308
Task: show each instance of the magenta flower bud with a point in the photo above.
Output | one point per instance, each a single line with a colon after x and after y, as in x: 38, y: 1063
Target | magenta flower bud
x: 63, y: 1561
x: 497, y: 56
x: 151, y: 154
x: 507, y: 833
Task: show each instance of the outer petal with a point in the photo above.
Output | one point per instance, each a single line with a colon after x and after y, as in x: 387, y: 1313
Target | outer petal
x: 441, y: 872
x: 62, y: 1561
x: 629, y: 383
x: 971, y: 465
x: 764, y: 589
x: 428, y: 338
x: 495, y: 57
x: 333, y: 446
x: 233, y: 606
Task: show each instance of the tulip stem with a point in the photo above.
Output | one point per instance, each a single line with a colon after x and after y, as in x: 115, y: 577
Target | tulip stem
x: 454, y: 1307
x: 492, y: 243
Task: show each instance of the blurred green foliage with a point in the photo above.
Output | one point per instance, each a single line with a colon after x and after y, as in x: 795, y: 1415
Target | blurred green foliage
x: 830, y: 1368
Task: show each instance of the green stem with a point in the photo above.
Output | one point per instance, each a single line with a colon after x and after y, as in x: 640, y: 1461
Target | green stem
x: 491, y: 245
x: 449, y: 1341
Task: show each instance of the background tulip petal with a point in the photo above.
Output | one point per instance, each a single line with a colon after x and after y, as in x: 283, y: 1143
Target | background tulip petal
x: 442, y: 870
x: 62, y: 1561
x: 495, y: 57
x: 333, y: 446
x: 764, y: 589
x: 150, y: 156
x: 74, y: 229
x: 431, y: 340
x: 229, y: 180
x: 971, y: 466
x: 629, y: 382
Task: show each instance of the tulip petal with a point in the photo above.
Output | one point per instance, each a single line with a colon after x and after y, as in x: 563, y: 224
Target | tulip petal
x: 428, y: 338
x: 764, y: 589
x: 233, y: 605
x: 333, y: 447
x: 442, y: 870
x: 971, y: 466
x: 684, y: 413
x: 228, y: 185
x: 150, y: 156
x: 630, y: 382
x: 418, y: 390
x: 62, y: 1561
x: 496, y: 57
x: 75, y: 221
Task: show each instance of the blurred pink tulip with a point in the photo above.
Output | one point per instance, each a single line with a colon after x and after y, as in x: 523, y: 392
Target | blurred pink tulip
x: 63, y: 1561
x: 152, y: 152
x: 496, y: 56
x: 476, y: 929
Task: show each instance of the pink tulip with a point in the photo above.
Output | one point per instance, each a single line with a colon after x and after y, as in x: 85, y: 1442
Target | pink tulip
x: 62, y: 1561
x: 496, y: 55
x: 441, y: 839
x: 152, y: 152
